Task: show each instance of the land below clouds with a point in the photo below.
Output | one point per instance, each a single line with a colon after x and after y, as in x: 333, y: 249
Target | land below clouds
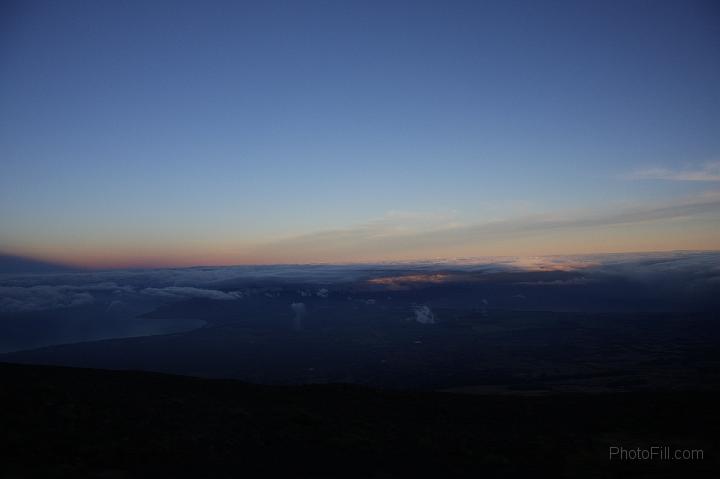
x: 614, y: 323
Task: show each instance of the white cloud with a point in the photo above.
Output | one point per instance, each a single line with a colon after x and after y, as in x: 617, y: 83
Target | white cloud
x: 707, y: 172
x: 300, y: 311
x: 423, y: 314
x: 182, y: 292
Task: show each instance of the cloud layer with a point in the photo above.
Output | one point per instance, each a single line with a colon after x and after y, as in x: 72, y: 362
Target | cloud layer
x: 672, y: 271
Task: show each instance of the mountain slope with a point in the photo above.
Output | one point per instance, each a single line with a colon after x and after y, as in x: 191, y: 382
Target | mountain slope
x: 66, y: 422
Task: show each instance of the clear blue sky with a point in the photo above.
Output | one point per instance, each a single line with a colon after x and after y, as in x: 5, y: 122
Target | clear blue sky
x: 174, y: 132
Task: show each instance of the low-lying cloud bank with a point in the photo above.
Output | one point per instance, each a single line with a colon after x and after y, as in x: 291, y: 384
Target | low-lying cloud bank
x: 676, y: 273
x: 51, y: 296
x: 18, y: 299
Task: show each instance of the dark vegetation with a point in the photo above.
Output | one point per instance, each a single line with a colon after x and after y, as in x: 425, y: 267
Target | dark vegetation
x: 65, y: 422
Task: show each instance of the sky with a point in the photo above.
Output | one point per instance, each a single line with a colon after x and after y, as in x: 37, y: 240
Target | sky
x: 180, y: 133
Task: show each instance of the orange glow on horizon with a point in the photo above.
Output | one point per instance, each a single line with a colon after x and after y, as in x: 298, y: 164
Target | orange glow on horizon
x: 527, y: 251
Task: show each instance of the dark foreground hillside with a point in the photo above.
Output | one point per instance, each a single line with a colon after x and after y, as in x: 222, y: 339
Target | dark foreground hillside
x: 64, y: 422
